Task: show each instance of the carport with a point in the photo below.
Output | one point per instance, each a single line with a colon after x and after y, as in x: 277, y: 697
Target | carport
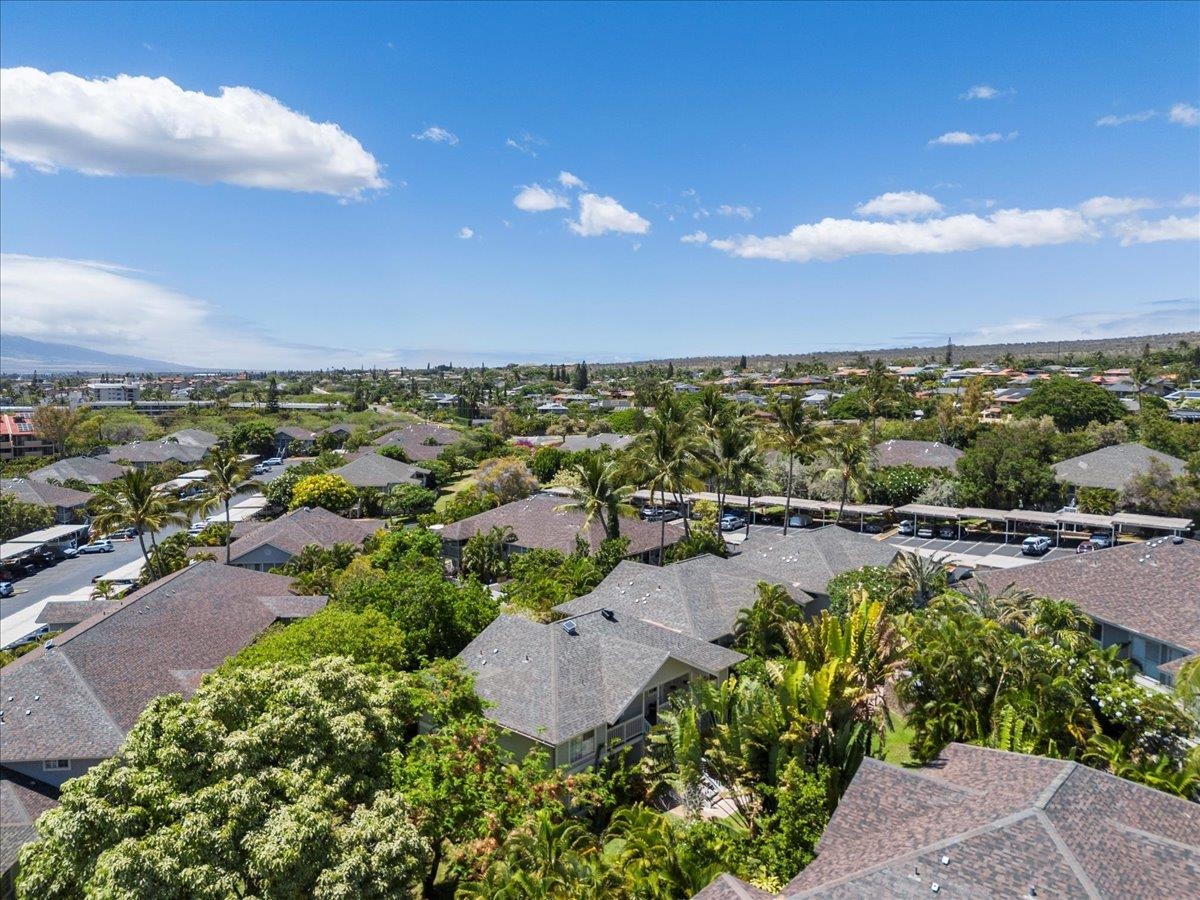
x: 1151, y: 523
x: 862, y: 510
x: 931, y: 513
x: 979, y: 512
x: 1016, y: 517
x: 1089, y: 521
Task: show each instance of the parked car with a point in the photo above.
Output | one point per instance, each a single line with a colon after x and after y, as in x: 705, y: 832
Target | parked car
x: 872, y: 528
x: 101, y: 546
x: 906, y: 528
x: 30, y: 638
x: 197, y: 527
x: 273, y: 461
x: 7, y: 589
x: 1100, y: 540
x: 652, y: 513
x: 259, y: 469
x: 799, y: 521
x: 1038, y: 545
x: 122, y: 534
x: 925, y: 531
x: 732, y: 522
x: 70, y: 552
x: 947, y: 532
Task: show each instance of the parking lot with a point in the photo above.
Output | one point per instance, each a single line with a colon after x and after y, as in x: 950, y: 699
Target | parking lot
x: 1009, y: 553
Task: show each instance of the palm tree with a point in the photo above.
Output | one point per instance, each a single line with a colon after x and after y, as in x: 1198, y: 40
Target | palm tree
x: 734, y: 457
x: 228, y: 477
x: 794, y: 434
x: 665, y: 456
x: 921, y: 577
x: 759, y: 630
x: 135, y: 501
x: 846, y: 459
x: 602, y: 494
x: 485, y: 553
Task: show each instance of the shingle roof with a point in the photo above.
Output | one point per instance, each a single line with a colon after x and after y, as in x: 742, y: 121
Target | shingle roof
x: 44, y: 494
x: 85, y: 692
x: 83, y: 468
x: 156, y: 452
x: 1113, y: 467
x: 574, y: 442
x: 295, y: 432
x: 1151, y: 588
x: 538, y: 522
x: 299, y: 528
x: 922, y: 454
x: 727, y: 887
x: 547, y: 684
x: 196, y: 437
x: 807, y: 560
x: 1004, y: 823
x: 72, y: 612
x: 411, y: 439
x: 374, y: 470
x: 22, y: 800
x: 700, y: 597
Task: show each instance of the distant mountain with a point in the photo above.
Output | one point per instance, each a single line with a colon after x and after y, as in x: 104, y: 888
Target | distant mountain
x: 23, y: 355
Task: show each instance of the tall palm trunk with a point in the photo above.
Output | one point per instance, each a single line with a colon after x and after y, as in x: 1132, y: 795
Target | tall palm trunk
x: 662, y: 525
x: 229, y: 533
x: 145, y: 555
x: 787, y: 505
x: 842, y: 504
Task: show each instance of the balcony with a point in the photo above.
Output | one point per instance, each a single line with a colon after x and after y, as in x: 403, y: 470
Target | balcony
x: 624, y: 732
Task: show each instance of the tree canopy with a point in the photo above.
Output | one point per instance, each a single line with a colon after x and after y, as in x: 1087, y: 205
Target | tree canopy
x: 1071, y: 402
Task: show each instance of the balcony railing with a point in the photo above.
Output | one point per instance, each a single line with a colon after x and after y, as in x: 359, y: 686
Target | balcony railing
x: 627, y: 731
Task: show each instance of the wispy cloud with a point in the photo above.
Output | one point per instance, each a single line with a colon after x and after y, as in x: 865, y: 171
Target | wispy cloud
x: 535, y: 198
x: 525, y: 143
x: 1184, y: 114
x: 984, y: 92
x: 741, y: 212
x: 567, y: 180
x: 1110, y: 207
x: 696, y: 237
x: 899, y: 204
x: 6, y: 171
x: 466, y: 233
x: 965, y: 139
x: 436, y: 134
x: 1172, y: 228
x: 134, y: 125
x: 600, y: 215
x: 1111, y: 121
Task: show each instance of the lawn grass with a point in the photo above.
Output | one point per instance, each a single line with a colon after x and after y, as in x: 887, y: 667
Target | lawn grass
x: 896, y: 747
x: 451, y: 489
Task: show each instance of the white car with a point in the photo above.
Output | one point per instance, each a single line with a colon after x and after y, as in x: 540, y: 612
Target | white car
x: 197, y: 527
x: 273, y: 461
x: 98, y: 547
x: 1038, y: 545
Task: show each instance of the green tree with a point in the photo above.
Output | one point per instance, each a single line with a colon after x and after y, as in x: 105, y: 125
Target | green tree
x: 546, y: 462
x: 256, y: 436
x: 55, y: 424
x: 666, y: 455
x: 272, y: 395
x: 485, y: 554
x: 846, y: 461
x: 408, y: 500
x: 794, y: 434
x: 1009, y: 466
x: 272, y: 782
x: 508, y: 478
x: 1071, y: 402
x: 135, y: 501
x: 759, y: 630
x: 330, y: 492
x: 228, y: 477
x: 878, y: 583
x: 580, y: 380
x: 602, y: 494
x: 18, y: 517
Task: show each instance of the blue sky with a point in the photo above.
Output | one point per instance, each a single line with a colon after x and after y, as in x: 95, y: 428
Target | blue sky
x: 141, y: 216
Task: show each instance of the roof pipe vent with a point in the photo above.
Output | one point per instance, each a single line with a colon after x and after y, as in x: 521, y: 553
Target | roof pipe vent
x: 570, y: 628
x: 609, y: 615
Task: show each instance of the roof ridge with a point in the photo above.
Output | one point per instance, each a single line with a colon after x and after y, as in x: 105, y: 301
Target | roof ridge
x: 1064, y: 849
x: 1057, y: 782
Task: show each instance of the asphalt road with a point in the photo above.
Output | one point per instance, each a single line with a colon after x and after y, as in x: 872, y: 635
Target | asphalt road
x: 71, y: 575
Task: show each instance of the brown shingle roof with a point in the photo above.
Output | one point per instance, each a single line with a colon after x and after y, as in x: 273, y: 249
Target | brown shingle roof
x: 1151, y: 588
x: 538, y: 522
x: 412, y: 439
x: 85, y: 691
x: 22, y: 800
x: 984, y: 822
x: 922, y: 454
x: 299, y: 528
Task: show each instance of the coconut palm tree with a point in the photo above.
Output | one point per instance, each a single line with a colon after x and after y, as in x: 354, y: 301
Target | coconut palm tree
x: 228, y: 477
x: 846, y: 459
x: 734, y: 458
x: 794, y: 434
x: 135, y: 501
x: 759, y: 630
x: 485, y: 553
x: 602, y: 494
x: 921, y: 578
x: 666, y: 455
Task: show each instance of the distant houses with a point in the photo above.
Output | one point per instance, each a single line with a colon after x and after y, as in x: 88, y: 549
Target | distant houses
x: 19, y: 438
x: 291, y: 440
x: 141, y: 454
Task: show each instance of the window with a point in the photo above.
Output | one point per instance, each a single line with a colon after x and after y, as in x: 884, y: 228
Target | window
x: 582, y: 747
x: 56, y: 765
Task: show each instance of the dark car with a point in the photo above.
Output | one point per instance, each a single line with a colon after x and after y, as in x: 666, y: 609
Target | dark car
x: 948, y: 532
x: 872, y: 528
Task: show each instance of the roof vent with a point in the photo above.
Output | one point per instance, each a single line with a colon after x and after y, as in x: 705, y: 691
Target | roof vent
x: 935, y: 887
x: 1032, y: 890
x: 609, y: 614
x: 1177, y: 540
x: 569, y: 627
x: 945, y: 860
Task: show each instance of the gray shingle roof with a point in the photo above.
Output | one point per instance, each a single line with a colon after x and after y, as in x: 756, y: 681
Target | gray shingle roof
x: 72, y: 612
x: 295, y: 432
x: 28, y: 491
x: 196, y: 437
x: 700, y: 597
x: 1005, y: 823
x: 299, y: 528
x: 922, y: 454
x: 98, y: 677
x: 1113, y: 467
x: 550, y: 685
x: 538, y: 522
x: 374, y: 470
x: 807, y: 560
x: 83, y: 468
x: 574, y: 442
x: 412, y: 439
x: 156, y: 452
x: 1150, y: 588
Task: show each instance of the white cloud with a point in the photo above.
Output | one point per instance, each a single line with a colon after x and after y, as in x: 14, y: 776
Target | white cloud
x: 984, y: 92
x: 742, y: 212
x: 567, y: 180
x: 135, y: 125
x: 696, y: 237
x: 118, y: 310
x: 899, y: 204
x: 1172, y: 228
x: 1184, y: 114
x: 832, y: 239
x: 437, y: 135
x: 535, y: 198
x: 465, y: 233
x: 599, y: 215
x: 1189, y: 200
x: 963, y: 138
x: 1112, y: 121
x: 1108, y: 207
x: 6, y: 171
x: 525, y: 143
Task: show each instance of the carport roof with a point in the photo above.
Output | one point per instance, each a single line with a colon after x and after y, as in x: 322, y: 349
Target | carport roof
x: 925, y: 509
x: 979, y: 512
x: 1031, y: 515
x: 1088, y: 520
x: 1159, y: 523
